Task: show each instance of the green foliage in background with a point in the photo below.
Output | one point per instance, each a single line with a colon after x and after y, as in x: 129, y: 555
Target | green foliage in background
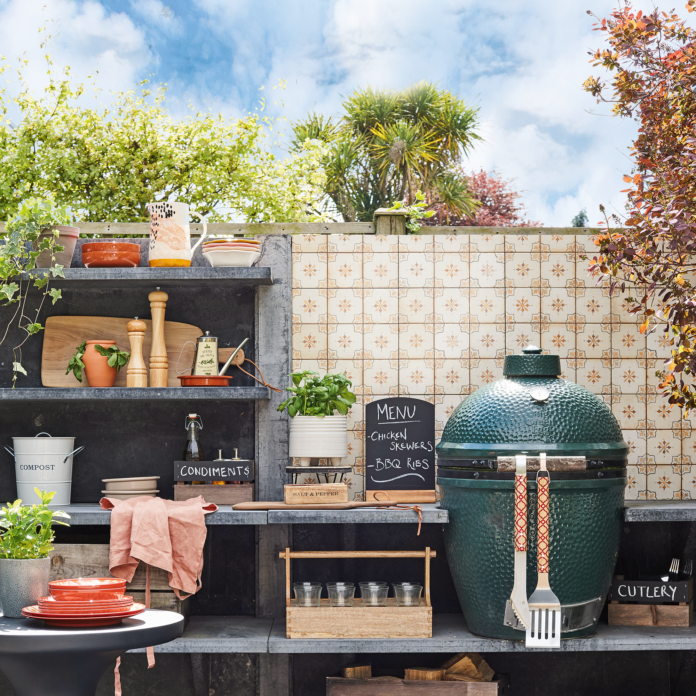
x: 313, y: 396
x: 580, y: 220
x: 414, y: 212
x: 108, y: 162
x: 387, y: 145
x: 28, y: 529
x: 18, y: 270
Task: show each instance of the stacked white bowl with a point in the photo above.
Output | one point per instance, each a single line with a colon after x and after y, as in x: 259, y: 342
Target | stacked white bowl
x: 125, y: 488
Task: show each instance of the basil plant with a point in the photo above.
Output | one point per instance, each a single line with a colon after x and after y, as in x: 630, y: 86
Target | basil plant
x: 312, y: 396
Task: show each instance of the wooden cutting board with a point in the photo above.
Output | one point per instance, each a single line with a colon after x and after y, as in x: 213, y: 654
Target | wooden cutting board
x: 62, y: 335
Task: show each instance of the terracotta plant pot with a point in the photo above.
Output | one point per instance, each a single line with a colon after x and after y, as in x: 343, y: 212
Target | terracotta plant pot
x: 97, y: 371
x: 67, y: 238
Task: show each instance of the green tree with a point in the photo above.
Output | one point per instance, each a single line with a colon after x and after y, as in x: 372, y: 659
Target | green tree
x: 387, y: 145
x: 108, y: 162
x: 580, y: 220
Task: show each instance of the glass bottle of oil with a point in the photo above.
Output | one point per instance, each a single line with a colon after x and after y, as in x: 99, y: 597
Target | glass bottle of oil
x: 193, y: 451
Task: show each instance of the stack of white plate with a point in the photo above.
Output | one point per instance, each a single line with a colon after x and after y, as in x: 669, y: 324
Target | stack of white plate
x: 125, y: 488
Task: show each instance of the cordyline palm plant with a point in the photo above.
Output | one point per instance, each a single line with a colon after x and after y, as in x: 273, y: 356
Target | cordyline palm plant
x: 388, y: 145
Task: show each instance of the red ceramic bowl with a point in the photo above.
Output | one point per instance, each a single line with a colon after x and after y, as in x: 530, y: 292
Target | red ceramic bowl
x: 80, y: 589
x: 110, y: 246
x: 111, y: 259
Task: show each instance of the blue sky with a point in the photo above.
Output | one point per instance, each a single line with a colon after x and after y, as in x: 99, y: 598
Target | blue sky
x: 521, y: 63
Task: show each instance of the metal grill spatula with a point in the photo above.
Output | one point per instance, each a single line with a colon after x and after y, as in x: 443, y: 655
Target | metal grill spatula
x: 518, y: 598
x: 544, y: 630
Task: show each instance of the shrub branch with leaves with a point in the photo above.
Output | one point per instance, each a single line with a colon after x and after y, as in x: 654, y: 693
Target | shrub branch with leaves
x: 313, y: 396
x: 27, y: 530
x: 649, y: 254
x: 18, y: 270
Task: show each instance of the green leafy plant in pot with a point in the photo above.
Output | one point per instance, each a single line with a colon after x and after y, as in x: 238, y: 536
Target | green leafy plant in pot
x: 26, y: 539
x: 100, y: 363
x: 316, y: 430
x: 30, y: 243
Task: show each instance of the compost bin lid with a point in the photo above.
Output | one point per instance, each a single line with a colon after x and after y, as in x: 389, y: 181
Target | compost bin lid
x: 532, y: 410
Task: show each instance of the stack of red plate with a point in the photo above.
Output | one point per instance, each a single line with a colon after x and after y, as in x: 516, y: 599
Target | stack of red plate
x: 84, y: 602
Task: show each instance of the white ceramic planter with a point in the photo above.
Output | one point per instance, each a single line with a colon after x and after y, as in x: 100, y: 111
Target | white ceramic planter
x: 22, y: 582
x: 323, y: 438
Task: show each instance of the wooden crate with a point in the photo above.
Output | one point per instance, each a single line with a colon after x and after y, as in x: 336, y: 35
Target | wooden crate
x: 314, y: 493
x: 220, y: 495
x: 92, y: 561
x: 338, y: 686
x: 358, y: 621
x: 651, y: 614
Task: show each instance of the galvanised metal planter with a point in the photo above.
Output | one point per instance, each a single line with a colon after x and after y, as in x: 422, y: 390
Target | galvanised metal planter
x: 22, y: 582
x: 529, y: 412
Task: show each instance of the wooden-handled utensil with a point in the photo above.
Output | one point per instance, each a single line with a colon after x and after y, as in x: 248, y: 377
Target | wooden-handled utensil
x: 318, y: 506
x: 544, y: 608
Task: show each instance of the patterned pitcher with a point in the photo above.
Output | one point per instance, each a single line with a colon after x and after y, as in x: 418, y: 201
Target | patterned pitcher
x: 170, y: 234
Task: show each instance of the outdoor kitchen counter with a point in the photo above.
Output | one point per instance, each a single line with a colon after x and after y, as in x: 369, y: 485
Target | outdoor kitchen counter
x: 246, y: 634
x: 660, y: 511
x: 91, y: 513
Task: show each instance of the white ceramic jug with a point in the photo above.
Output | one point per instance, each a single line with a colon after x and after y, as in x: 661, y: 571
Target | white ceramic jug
x: 170, y: 234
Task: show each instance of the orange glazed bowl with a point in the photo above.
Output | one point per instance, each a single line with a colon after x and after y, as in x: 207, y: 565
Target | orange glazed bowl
x: 91, y: 247
x: 111, y: 259
x: 82, y: 589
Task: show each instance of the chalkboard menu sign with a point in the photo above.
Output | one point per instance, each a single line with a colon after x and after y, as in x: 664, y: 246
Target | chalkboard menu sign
x: 400, y: 444
x: 220, y: 470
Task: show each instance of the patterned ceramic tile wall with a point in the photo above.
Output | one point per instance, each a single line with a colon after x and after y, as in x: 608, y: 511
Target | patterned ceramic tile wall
x: 434, y: 316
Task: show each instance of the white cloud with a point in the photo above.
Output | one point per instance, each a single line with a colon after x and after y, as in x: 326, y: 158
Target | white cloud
x: 84, y: 36
x: 523, y: 64
x: 160, y: 16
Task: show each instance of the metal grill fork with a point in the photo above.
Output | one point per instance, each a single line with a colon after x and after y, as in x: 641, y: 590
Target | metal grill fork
x: 544, y: 608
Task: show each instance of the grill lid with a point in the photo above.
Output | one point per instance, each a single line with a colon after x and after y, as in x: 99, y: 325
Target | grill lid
x: 532, y: 364
x: 532, y: 410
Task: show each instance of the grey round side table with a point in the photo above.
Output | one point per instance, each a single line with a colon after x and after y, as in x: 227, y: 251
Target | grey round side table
x: 40, y: 660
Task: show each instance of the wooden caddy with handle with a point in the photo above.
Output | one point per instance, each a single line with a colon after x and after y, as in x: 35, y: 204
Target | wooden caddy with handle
x: 359, y: 621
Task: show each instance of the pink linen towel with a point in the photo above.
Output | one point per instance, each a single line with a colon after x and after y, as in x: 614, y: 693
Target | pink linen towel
x: 166, y: 534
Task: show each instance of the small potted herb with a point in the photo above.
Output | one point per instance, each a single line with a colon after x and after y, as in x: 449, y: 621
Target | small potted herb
x: 316, y: 430
x: 26, y: 537
x: 100, y: 360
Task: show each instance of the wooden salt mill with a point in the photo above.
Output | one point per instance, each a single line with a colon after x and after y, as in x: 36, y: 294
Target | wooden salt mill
x: 136, y: 374
x: 159, y: 365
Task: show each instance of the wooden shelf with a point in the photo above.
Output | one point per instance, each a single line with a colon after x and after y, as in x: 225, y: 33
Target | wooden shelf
x: 246, y: 634
x: 137, y: 394
x: 167, y: 278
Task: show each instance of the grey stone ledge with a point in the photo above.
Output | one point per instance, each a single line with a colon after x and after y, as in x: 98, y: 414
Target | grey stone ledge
x: 431, y: 514
x: 136, y: 394
x: 220, y: 634
x: 91, y: 513
x: 450, y: 634
x: 166, y: 278
x: 660, y: 511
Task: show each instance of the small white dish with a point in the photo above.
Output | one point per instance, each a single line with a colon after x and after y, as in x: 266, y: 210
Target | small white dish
x: 231, y: 257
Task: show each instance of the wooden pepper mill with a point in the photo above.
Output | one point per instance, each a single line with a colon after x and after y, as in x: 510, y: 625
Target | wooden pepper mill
x: 159, y: 365
x: 136, y: 374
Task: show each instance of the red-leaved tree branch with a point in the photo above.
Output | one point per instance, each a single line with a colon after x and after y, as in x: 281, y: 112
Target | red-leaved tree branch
x: 649, y: 252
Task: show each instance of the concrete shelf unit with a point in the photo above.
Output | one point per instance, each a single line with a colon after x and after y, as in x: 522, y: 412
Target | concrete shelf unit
x: 137, y: 394
x: 167, y: 278
x: 245, y: 634
x: 92, y: 514
x: 660, y: 511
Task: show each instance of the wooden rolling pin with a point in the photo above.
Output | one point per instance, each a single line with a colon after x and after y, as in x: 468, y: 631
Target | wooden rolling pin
x: 316, y: 506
